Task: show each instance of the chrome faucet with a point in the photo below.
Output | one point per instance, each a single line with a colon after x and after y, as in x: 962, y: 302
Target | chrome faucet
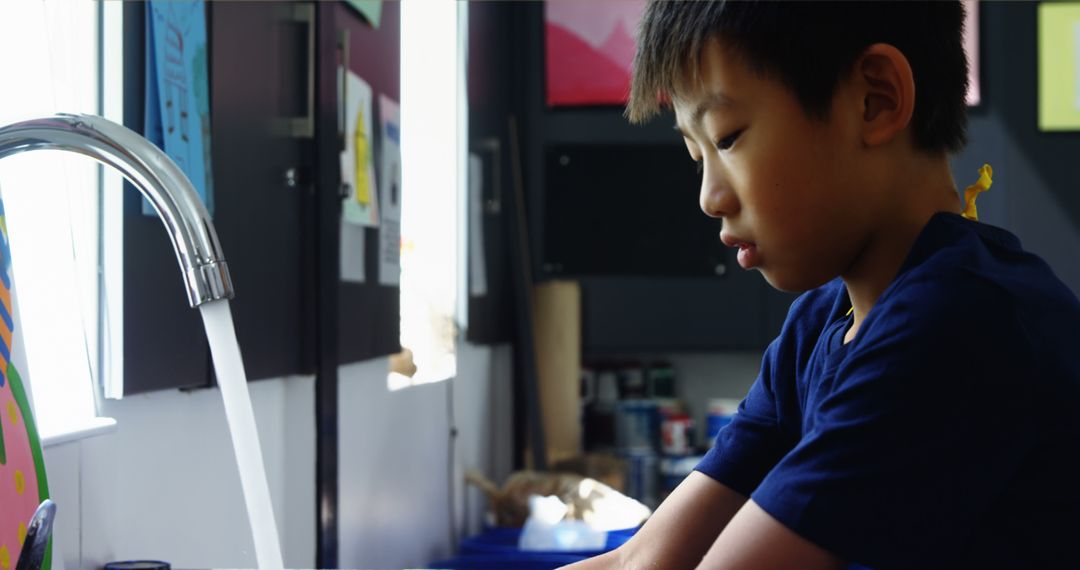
x: 160, y: 180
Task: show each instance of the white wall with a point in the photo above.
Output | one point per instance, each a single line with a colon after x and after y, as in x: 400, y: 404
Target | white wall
x: 398, y: 491
x: 165, y: 484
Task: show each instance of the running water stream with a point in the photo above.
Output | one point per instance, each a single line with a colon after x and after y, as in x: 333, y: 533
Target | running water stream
x: 234, y: 392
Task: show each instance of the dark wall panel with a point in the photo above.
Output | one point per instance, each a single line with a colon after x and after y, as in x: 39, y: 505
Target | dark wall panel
x: 260, y: 217
x: 264, y: 223
x: 164, y: 342
x: 369, y: 323
x: 493, y: 91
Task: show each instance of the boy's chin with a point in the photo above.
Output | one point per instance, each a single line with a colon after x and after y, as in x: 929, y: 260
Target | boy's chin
x: 791, y: 281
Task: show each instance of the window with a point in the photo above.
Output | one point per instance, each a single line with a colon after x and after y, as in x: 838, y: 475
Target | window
x: 433, y: 120
x: 49, y: 61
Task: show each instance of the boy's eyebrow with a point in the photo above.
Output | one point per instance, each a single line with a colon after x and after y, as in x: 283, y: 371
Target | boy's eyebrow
x: 716, y: 99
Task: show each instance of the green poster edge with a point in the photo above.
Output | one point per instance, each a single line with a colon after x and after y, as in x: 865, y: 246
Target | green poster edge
x: 35, y: 444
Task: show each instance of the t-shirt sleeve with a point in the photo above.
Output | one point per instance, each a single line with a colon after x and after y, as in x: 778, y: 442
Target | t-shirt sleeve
x: 915, y: 440
x: 751, y: 444
x: 756, y: 439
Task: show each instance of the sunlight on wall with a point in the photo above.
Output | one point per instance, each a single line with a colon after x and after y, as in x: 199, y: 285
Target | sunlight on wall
x: 432, y: 131
x: 49, y: 64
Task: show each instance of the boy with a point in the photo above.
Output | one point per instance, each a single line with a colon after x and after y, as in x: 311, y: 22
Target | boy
x: 919, y: 408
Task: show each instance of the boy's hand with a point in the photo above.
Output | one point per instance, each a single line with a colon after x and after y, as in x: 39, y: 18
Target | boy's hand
x: 681, y: 530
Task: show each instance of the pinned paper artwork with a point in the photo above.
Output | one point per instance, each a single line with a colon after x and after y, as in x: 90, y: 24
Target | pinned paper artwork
x: 352, y: 253
x: 590, y: 50
x: 390, y: 192
x: 360, y: 206
x: 1059, y: 66
x: 478, y: 261
x: 371, y: 10
x: 177, y: 109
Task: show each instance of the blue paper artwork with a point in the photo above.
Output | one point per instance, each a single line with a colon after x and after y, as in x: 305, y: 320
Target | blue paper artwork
x: 177, y: 111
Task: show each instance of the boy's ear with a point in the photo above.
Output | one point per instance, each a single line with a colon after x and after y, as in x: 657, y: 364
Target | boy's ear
x: 883, y: 75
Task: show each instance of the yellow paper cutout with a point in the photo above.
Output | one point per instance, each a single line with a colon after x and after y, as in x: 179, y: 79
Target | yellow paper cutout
x: 363, y: 185
x: 972, y: 192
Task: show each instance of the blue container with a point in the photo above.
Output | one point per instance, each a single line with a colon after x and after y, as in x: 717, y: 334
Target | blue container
x: 504, y: 541
x: 534, y: 561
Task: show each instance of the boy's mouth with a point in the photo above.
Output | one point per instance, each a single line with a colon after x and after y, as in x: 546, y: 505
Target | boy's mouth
x: 747, y: 256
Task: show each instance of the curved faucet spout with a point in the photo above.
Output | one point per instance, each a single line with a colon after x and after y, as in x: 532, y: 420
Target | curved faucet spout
x: 160, y: 180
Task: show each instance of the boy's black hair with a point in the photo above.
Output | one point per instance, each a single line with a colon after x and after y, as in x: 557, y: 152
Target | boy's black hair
x: 810, y: 47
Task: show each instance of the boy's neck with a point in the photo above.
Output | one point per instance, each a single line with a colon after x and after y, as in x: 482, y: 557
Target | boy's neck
x: 913, y: 203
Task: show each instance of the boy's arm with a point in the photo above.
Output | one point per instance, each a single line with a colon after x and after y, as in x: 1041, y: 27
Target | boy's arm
x: 681, y: 530
x: 754, y: 539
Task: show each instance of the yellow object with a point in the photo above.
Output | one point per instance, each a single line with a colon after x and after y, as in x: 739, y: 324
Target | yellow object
x: 1059, y: 66
x: 363, y: 185
x: 22, y: 534
x: 972, y: 192
x: 5, y: 558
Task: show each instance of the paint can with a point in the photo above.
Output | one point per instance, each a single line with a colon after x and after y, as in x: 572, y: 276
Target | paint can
x: 642, y: 476
x: 636, y: 425
x: 677, y: 435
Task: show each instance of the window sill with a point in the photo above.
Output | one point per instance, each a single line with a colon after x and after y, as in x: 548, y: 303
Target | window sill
x: 81, y: 430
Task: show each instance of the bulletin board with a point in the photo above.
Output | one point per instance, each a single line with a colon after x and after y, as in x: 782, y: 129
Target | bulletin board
x: 369, y: 322
x: 1059, y: 66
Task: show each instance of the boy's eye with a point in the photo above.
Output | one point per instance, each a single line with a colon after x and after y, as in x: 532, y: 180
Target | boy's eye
x: 726, y: 142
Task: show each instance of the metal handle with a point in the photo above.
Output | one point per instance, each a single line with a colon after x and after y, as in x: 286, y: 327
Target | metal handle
x: 493, y: 202
x: 154, y: 174
x: 302, y: 127
x: 343, y: 46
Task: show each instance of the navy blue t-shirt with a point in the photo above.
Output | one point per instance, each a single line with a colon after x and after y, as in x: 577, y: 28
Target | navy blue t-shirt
x: 945, y: 434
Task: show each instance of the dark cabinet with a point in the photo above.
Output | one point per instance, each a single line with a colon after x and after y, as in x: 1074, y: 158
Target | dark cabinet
x: 259, y: 82
x: 262, y: 157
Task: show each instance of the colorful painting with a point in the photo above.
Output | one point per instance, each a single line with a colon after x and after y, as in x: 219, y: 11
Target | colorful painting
x: 22, y: 468
x: 177, y: 110
x: 1059, y: 66
x: 590, y: 50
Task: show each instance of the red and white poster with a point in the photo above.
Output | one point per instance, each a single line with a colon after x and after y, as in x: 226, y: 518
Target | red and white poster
x: 590, y: 49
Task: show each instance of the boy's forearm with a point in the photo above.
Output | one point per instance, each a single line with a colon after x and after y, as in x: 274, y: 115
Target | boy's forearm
x: 679, y: 533
x: 606, y: 561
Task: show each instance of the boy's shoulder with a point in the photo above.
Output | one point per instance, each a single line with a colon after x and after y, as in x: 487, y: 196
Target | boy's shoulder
x: 965, y: 272
x: 961, y: 277
x: 970, y: 289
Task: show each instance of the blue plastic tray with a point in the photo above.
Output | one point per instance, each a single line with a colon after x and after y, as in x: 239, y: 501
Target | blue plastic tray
x: 500, y: 541
x: 520, y: 561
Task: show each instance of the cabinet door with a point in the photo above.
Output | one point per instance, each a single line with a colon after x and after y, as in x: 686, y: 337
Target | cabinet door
x: 164, y: 341
x: 628, y: 315
x: 259, y: 88
x: 256, y: 78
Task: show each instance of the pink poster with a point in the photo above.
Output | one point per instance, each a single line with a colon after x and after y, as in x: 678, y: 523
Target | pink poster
x: 590, y: 49
x: 971, y: 47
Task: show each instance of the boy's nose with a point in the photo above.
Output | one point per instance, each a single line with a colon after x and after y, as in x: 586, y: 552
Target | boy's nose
x: 717, y: 199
